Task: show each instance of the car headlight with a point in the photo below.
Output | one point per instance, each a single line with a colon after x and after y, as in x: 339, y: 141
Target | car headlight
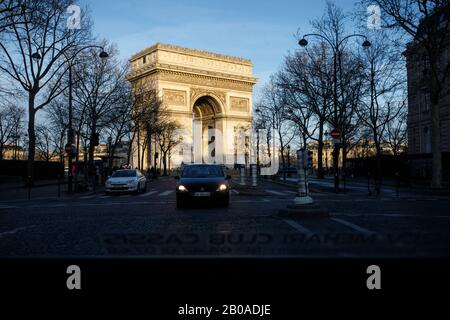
x: 182, y: 188
x: 131, y: 182
x: 222, y: 187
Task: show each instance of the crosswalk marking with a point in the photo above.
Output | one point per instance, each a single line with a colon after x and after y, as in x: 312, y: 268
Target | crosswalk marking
x: 299, y: 227
x: 354, y: 226
x: 291, y: 192
x: 148, y: 193
x: 276, y: 192
x: 234, y: 191
x: 165, y: 193
x: 103, y: 197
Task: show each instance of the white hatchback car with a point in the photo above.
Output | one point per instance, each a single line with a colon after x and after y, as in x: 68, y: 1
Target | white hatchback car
x: 126, y: 180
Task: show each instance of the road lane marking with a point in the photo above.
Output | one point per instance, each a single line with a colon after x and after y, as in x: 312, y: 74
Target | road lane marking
x: 354, y: 226
x: 148, y: 193
x: 234, y: 191
x: 276, y: 192
x: 88, y: 197
x: 299, y: 227
x: 7, y: 207
x: 104, y: 197
x: 165, y: 193
x: 6, y: 233
x: 291, y: 192
x: 392, y: 215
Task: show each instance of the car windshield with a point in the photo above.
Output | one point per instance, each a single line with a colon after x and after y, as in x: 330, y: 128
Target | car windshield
x: 202, y: 172
x: 124, y: 174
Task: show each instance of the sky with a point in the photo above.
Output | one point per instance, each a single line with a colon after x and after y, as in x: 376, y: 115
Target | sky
x: 262, y: 31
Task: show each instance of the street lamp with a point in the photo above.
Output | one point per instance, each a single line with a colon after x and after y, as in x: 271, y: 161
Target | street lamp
x: 336, y: 46
x: 36, y: 57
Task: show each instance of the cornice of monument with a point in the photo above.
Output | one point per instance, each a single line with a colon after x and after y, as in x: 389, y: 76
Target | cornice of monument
x: 192, y: 52
x: 157, y: 67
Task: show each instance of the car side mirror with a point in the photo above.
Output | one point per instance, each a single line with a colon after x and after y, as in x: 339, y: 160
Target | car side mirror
x: 177, y: 177
x: 228, y: 177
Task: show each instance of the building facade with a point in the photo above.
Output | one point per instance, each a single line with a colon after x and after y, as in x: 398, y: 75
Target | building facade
x: 419, y: 107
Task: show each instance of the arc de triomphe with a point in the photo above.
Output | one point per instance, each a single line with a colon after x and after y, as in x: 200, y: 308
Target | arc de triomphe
x: 200, y: 90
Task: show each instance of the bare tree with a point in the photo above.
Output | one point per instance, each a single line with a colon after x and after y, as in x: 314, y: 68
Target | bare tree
x: 427, y: 23
x: 274, y: 109
x: 9, y: 11
x: 384, y: 81
x: 33, y: 55
x: 10, y: 125
x: 149, y: 119
x: 121, y: 127
x: 346, y: 79
x: 396, y: 134
x: 98, y: 91
x: 44, y: 145
x: 57, y: 121
x: 167, y: 140
x: 307, y: 77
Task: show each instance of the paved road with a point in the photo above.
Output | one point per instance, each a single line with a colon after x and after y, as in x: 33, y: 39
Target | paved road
x: 150, y: 225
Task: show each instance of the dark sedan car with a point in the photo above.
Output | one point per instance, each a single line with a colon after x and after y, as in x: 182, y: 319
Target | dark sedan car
x: 203, y: 181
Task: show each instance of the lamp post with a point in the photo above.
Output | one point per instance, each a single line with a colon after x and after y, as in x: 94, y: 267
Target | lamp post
x: 36, y: 56
x: 336, y: 46
x: 289, y: 160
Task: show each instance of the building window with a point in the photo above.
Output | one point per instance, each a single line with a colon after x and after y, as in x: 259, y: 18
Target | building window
x: 424, y: 102
x: 144, y: 59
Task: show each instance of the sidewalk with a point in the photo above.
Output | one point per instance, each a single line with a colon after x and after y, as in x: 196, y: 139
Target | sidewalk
x: 21, y: 184
x: 43, y: 189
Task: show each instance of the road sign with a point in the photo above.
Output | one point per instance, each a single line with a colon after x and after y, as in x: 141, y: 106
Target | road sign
x: 68, y: 148
x: 336, y: 134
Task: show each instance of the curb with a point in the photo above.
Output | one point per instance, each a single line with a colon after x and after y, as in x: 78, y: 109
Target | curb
x: 294, y: 186
x: 306, y: 211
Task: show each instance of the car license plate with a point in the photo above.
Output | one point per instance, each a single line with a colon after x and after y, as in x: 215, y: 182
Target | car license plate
x: 202, y: 194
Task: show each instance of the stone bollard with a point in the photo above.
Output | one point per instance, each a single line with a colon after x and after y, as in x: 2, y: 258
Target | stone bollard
x: 303, y: 206
x: 302, y: 190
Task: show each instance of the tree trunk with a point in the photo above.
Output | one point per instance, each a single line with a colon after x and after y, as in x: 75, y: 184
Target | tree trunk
x: 320, y: 152
x: 378, y: 172
x: 31, y: 138
x: 91, y: 166
x: 165, y: 163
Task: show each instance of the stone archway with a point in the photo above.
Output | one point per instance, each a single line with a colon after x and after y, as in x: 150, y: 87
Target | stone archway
x: 205, y: 111
x: 197, y: 85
